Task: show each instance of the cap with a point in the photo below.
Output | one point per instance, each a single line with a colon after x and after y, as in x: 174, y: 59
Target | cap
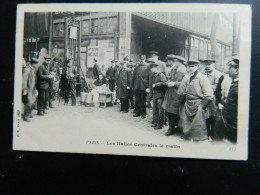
x: 154, y: 53
x: 34, y: 60
x: 55, y: 59
x: 142, y: 57
x: 193, y: 62
x: 126, y: 58
x: 234, y: 62
x: 68, y: 60
x: 208, y: 61
x: 47, y: 57
x: 172, y: 57
x: 150, y: 60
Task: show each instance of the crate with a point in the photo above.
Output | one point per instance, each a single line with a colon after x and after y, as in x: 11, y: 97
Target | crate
x: 105, y: 99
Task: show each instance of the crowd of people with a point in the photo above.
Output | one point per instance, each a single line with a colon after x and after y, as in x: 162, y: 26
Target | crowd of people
x: 196, y: 101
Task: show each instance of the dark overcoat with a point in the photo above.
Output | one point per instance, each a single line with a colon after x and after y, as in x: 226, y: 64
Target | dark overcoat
x: 140, y: 77
x: 43, y: 80
x: 123, y: 81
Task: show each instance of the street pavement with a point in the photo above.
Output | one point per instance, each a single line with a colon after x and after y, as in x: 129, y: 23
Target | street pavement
x: 84, y: 129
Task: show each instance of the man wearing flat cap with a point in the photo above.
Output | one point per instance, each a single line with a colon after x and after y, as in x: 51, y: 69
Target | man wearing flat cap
x: 171, y: 99
x: 139, y: 84
x: 43, y: 84
x: 195, y: 93
x: 226, y: 127
x: 157, y: 86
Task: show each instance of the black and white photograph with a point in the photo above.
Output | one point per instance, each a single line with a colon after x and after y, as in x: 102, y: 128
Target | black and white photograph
x: 164, y: 80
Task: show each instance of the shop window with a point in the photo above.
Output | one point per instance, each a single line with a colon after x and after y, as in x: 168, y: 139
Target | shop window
x: 99, y: 26
x: 59, y: 29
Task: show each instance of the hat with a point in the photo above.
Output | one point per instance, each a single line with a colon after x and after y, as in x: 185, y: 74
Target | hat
x: 150, y: 60
x: 193, y: 62
x: 34, y: 60
x: 68, y: 60
x: 47, y: 57
x: 234, y: 62
x: 209, y: 60
x: 154, y: 53
x: 112, y: 61
x: 172, y: 57
x: 142, y: 57
x: 55, y: 59
x: 95, y: 59
x: 126, y: 58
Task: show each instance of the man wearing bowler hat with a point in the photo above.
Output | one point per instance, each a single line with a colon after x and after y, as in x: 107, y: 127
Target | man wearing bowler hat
x: 195, y: 94
x: 171, y: 99
x: 139, y: 84
x: 226, y: 127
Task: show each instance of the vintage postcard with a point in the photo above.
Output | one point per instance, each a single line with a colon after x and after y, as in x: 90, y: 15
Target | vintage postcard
x: 161, y: 80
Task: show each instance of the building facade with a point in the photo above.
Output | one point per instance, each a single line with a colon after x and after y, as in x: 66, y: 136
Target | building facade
x: 114, y: 35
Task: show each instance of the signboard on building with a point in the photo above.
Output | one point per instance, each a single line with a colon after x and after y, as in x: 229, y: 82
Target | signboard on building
x: 92, y: 52
x: 73, y: 32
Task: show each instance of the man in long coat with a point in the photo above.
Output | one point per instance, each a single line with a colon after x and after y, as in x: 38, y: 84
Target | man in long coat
x: 70, y: 86
x: 213, y: 76
x: 226, y: 127
x: 110, y: 76
x: 43, y: 83
x: 47, y: 61
x: 171, y: 99
x: 123, y: 87
x: 195, y: 93
x: 130, y: 68
x: 28, y: 89
x: 157, y: 86
x: 139, y: 84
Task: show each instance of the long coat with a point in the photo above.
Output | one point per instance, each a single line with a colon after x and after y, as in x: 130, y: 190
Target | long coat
x: 140, y: 77
x: 229, y: 112
x: 29, y: 83
x: 171, y: 99
x: 42, y: 78
x: 193, y: 117
x: 123, y: 81
x: 111, y: 76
